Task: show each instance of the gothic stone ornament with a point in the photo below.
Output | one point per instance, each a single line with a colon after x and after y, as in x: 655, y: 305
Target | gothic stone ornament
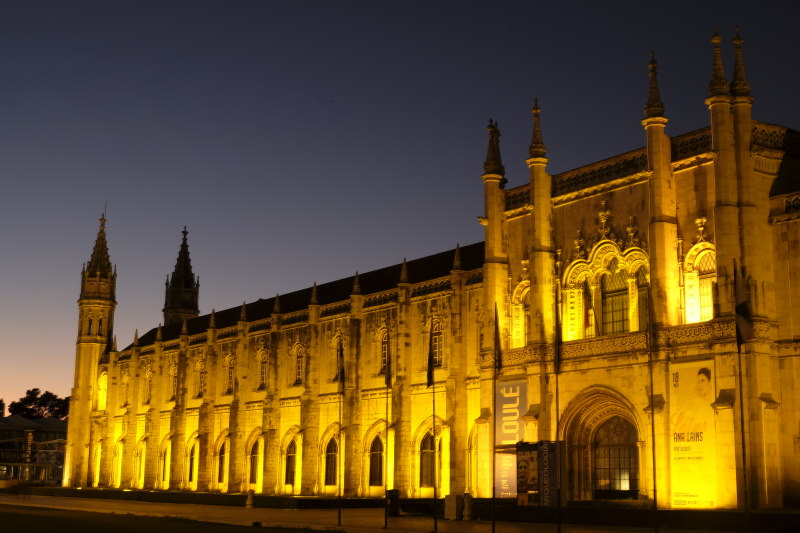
x: 700, y: 222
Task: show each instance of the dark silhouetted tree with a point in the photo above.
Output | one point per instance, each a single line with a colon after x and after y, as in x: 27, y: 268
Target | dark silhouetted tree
x: 35, y: 405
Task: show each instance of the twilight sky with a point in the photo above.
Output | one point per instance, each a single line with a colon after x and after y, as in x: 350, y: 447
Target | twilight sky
x: 303, y: 141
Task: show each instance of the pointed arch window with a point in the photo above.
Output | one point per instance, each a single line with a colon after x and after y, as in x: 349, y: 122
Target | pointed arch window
x: 221, y: 463
x: 99, y: 326
x: 331, y: 458
x: 616, y: 460
x: 436, y: 341
x: 291, y: 457
x: 102, y: 391
x: 299, y: 361
x: 253, y: 457
x: 89, y: 327
x: 262, y: 371
x: 376, y: 462
x: 615, y: 301
x: 385, y: 357
x: 643, y: 294
x: 427, y: 460
x: 707, y: 272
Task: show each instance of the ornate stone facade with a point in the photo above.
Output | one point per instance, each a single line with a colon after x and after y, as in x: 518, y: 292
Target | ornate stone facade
x: 616, y: 286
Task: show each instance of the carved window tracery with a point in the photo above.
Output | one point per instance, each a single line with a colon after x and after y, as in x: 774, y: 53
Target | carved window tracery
x: 699, y: 280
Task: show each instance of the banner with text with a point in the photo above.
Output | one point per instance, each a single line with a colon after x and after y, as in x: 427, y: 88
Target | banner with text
x: 510, y: 402
x: 693, y: 435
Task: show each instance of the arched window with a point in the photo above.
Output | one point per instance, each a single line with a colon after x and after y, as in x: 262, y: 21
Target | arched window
x: 707, y: 272
x: 262, y: 371
x: 192, y: 463
x: 385, y: 358
x: 376, y: 463
x: 253, y: 460
x: 427, y: 460
x: 89, y: 327
x: 291, y: 456
x: 229, y: 390
x: 616, y: 460
x: 331, y: 458
x: 643, y: 291
x: 436, y: 340
x: 102, y: 391
x: 298, y: 366
x: 614, y: 294
x: 99, y: 326
x: 221, y: 464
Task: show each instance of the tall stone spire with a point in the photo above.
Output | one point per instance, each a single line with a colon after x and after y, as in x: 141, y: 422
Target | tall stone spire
x: 183, y: 288
x: 739, y: 86
x: 654, y: 106
x: 100, y: 263
x: 718, y: 86
x: 493, y: 163
x: 537, y: 147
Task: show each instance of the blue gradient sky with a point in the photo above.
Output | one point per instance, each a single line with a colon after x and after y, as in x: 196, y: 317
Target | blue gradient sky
x: 304, y: 141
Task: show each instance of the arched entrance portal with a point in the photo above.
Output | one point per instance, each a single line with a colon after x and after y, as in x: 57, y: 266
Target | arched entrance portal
x: 601, y: 431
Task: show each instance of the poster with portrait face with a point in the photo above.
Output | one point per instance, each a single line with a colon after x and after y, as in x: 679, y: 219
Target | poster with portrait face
x: 692, y: 442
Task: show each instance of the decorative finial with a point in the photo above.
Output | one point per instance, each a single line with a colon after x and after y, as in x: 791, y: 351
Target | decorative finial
x: 212, y: 320
x: 243, y: 313
x: 654, y: 106
x: 739, y: 86
x: 158, y: 332
x: 701, y: 236
x: 580, y: 251
x: 632, y: 230
x: 314, y: 298
x: 185, y: 327
x: 537, y: 147
x: 136, y: 337
x: 404, y: 271
x: 356, y: 285
x: 718, y: 86
x: 114, y: 344
x: 457, y: 258
x: 493, y: 163
x: 603, y: 215
x: 277, y: 308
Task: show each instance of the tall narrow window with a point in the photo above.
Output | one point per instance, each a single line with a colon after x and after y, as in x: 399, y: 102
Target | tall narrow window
x: 643, y: 290
x: 427, y: 458
x: 253, y: 456
x: 376, y: 463
x: 221, y: 464
x: 291, y: 456
x: 102, y: 391
x: 437, y: 344
x: 230, y: 378
x: 707, y: 271
x: 614, y: 291
x: 89, y: 327
x: 174, y: 382
x: 202, y: 383
x: 99, y: 326
x: 298, y: 367
x: 385, y: 359
x: 192, y: 453
x: 263, y: 372
x: 331, y: 458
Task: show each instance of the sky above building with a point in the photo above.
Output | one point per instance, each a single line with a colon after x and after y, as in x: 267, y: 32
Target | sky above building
x: 305, y: 141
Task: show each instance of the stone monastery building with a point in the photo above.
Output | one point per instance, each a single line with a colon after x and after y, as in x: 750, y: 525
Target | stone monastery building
x: 617, y: 286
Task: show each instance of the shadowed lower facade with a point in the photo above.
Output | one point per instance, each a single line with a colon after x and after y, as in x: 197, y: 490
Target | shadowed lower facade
x: 617, y: 286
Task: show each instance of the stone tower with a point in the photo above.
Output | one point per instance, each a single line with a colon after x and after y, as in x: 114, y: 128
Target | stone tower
x: 95, y: 333
x: 182, y: 292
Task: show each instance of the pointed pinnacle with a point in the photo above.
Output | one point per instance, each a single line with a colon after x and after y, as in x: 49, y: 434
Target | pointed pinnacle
x: 457, y: 258
x: 537, y: 147
x: 654, y: 106
x: 717, y: 86
x: 243, y: 314
x: 739, y: 86
x: 314, y: 299
x: 158, y: 333
x: 114, y: 344
x: 356, y: 285
x: 136, y: 337
x: 493, y: 163
x: 404, y: 272
x: 277, y: 308
x: 100, y: 262
x: 185, y: 327
x: 212, y: 320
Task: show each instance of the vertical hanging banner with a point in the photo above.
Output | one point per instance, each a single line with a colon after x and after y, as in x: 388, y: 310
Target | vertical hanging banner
x: 511, y: 401
x: 693, y: 435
